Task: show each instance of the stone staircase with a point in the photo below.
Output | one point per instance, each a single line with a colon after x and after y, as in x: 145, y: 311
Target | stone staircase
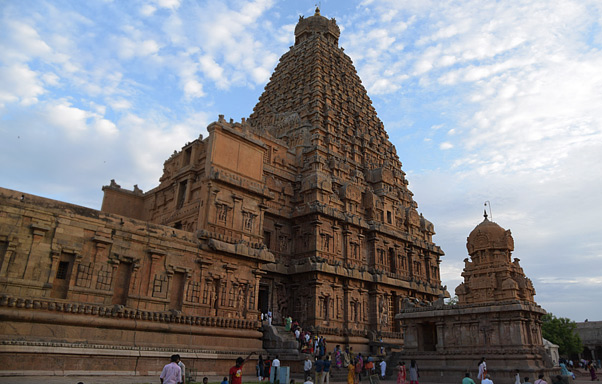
x: 278, y: 341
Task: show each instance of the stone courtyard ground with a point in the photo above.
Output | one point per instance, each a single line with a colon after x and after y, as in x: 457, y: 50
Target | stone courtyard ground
x: 581, y: 379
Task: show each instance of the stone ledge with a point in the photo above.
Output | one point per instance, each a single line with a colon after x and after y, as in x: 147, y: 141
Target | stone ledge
x: 49, y: 347
x: 121, y: 312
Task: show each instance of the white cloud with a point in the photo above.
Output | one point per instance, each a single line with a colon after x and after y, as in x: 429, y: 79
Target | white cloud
x: 192, y: 88
x: 446, y: 145
x: 129, y: 48
x: 21, y: 41
x: 172, y: 4
x: 20, y: 84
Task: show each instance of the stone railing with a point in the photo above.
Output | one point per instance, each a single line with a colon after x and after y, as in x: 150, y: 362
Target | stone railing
x: 429, y: 307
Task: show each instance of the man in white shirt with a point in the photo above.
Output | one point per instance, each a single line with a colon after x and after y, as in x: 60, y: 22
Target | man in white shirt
x: 487, y: 380
x: 308, y: 380
x: 276, y: 366
x: 307, y: 367
x: 171, y: 374
x: 183, y: 368
x: 383, y: 369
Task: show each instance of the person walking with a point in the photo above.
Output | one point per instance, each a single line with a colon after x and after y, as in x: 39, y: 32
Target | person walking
x: 307, y: 364
x: 276, y: 366
x: 414, y: 375
x: 319, y: 367
x: 359, y: 364
x: 267, y: 366
x: 592, y: 371
x: 383, y: 369
x: 326, y: 370
x: 183, y: 368
x: 482, y: 369
x: 260, y: 368
x: 401, y: 373
x: 171, y: 373
x: 236, y: 371
x: 351, y: 373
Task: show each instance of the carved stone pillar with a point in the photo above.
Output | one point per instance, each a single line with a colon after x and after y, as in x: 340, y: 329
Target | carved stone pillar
x: 345, y: 244
x: 10, y: 250
x: 156, y: 255
x: 237, y: 219
x: 55, y: 255
x: 440, y: 337
x: 258, y: 274
x: 410, y: 253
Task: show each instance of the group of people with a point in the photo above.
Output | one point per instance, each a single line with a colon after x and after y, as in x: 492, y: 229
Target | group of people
x: 407, y: 375
x: 356, y: 365
x: 264, y: 367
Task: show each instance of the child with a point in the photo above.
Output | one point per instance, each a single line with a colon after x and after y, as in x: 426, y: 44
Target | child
x: 225, y: 380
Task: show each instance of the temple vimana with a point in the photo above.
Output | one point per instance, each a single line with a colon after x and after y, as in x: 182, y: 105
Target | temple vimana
x: 301, y: 209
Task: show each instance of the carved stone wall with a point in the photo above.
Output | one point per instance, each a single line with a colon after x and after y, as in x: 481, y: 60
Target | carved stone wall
x: 73, y: 276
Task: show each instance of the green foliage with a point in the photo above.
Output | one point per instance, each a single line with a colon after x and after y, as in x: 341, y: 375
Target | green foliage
x: 562, y: 331
x: 452, y: 301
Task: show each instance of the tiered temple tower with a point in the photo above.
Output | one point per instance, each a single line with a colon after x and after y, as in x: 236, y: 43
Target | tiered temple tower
x: 491, y: 276
x: 312, y: 176
x: 302, y: 209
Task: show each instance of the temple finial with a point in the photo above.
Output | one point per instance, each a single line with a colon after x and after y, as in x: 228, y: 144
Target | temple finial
x: 485, y: 214
x: 317, y: 11
x: 488, y: 204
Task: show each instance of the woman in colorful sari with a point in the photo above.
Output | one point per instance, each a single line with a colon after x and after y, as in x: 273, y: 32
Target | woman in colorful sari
x: 351, y: 373
x: 359, y: 365
x: 338, y: 359
x: 592, y: 371
x: 289, y: 321
x: 401, y: 373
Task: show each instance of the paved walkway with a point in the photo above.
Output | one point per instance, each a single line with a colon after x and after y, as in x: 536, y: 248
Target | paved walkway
x: 153, y: 380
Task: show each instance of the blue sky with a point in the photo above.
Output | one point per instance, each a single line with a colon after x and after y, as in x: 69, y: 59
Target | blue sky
x: 484, y: 100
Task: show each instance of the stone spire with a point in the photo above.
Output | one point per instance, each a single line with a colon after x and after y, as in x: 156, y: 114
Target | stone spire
x: 315, y: 102
x: 491, y: 276
x: 316, y: 85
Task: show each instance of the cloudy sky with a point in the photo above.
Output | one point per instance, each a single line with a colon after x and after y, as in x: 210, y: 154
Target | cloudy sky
x: 496, y: 101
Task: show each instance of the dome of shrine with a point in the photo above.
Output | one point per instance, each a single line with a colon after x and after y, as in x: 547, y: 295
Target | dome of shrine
x: 489, y: 235
x: 317, y: 24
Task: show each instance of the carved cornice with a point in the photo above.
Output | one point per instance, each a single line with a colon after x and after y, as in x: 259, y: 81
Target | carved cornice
x: 121, y: 312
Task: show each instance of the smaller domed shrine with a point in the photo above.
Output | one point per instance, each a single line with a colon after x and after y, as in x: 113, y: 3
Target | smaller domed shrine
x: 490, y: 275
x: 495, y: 317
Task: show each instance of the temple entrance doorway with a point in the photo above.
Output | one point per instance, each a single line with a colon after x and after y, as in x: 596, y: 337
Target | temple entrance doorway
x: 264, y: 298
x: 429, y: 337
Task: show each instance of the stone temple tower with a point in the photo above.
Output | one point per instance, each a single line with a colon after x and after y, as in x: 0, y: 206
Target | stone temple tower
x: 302, y: 209
x: 312, y: 179
x: 491, y: 276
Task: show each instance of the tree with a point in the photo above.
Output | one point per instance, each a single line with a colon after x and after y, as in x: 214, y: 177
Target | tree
x: 452, y: 301
x: 562, y: 331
